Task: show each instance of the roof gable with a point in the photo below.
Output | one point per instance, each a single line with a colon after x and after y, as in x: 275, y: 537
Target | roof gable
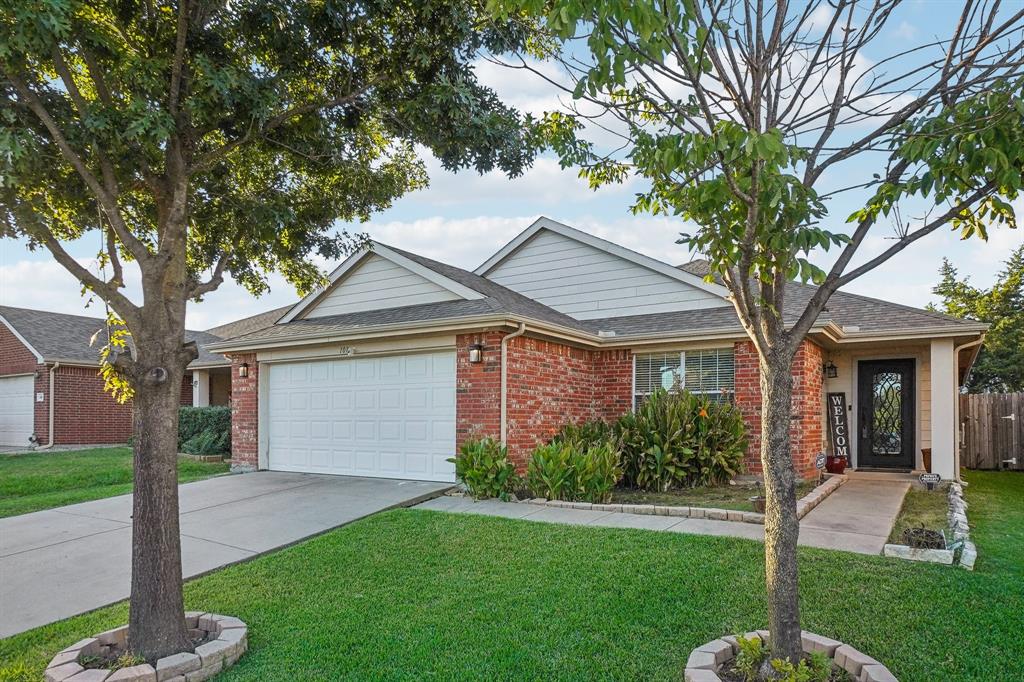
x: 378, y: 278
x: 589, y: 278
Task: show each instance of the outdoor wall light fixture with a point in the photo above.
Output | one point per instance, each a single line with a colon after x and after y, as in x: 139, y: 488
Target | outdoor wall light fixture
x: 243, y: 370
x: 830, y: 370
x: 476, y: 353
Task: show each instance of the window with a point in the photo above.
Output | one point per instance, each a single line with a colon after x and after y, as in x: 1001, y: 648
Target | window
x: 710, y: 372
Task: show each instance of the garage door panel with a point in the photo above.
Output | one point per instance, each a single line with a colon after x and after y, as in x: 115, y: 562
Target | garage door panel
x: 389, y: 416
x: 16, y: 410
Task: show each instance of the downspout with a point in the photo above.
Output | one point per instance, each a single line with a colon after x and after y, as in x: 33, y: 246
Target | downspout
x: 53, y: 399
x: 956, y: 404
x: 504, y: 378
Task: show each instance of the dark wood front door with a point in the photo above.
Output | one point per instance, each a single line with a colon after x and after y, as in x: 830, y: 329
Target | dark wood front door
x: 885, y: 414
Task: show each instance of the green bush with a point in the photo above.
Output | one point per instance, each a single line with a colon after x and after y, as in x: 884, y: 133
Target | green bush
x: 585, y: 434
x: 204, y: 430
x: 484, y: 467
x: 565, y: 470
x: 680, y: 439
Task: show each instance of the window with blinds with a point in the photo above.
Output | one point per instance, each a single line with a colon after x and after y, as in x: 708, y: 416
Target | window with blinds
x: 710, y: 372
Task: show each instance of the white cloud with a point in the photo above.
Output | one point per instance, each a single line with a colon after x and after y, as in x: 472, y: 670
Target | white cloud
x: 905, y: 31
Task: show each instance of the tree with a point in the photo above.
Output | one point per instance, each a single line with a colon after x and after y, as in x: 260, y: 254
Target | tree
x: 751, y: 119
x: 1000, y: 363
x: 197, y: 138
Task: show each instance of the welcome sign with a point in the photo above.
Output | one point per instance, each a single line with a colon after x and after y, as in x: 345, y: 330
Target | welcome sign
x: 838, y: 429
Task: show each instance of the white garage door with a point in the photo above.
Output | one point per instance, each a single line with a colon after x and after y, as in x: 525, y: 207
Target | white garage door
x: 388, y: 417
x: 16, y: 409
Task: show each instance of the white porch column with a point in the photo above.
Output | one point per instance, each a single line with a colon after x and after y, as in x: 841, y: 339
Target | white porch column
x: 944, y: 395
x: 201, y: 388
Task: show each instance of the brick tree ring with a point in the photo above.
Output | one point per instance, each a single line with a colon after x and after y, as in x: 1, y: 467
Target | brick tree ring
x: 224, y: 640
x: 707, y: 661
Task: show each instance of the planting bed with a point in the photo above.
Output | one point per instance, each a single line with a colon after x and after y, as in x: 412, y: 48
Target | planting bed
x: 220, y: 641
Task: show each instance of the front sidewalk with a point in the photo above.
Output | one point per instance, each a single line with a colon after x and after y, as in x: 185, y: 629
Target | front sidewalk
x: 857, y: 517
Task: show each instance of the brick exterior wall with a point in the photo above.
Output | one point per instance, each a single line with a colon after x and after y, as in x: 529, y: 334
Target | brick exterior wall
x: 549, y: 384
x: 15, y: 358
x: 806, y: 429
x: 245, y: 413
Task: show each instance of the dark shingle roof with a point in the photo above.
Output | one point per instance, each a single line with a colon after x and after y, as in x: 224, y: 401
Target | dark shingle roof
x: 58, y: 336
x: 247, y: 325
x: 854, y: 310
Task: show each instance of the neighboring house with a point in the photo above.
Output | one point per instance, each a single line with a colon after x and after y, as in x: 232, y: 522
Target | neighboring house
x: 40, y: 350
x: 400, y: 358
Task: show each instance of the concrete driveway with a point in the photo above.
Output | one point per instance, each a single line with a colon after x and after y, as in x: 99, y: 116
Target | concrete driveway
x: 61, y: 562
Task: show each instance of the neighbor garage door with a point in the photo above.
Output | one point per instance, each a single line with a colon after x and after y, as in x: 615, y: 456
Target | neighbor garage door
x: 389, y: 417
x: 16, y: 408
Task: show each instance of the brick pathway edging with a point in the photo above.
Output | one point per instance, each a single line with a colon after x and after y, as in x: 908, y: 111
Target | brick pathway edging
x: 230, y: 640
x: 804, y: 505
x: 705, y: 661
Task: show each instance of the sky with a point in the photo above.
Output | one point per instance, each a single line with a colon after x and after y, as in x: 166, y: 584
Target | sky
x: 463, y: 218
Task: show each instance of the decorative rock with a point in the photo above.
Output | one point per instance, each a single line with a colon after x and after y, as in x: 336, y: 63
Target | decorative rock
x: 136, y: 673
x: 115, y: 637
x: 731, y: 639
x: 733, y: 515
x: 753, y: 517
x: 192, y: 618
x: 679, y: 511
x: 716, y: 514
x: 697, y: 512
x: 87, y: 647
x: 851, y: 660
x: 935, y: 556
x: 60, y: 673
x: 229, y: 622
x: 178, y: 664
x: 968, y: 555
x: 702, y: 659
x: 63, y: 658
x: 700, y: 675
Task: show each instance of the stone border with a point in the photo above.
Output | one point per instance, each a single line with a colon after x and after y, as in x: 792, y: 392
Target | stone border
x: 957, y: 517
x: 957, y: 523
x: 812, y: 499
x: 803, y: 506
x: 232, y: 640
x: 202, y: 458
x: 705, y: 661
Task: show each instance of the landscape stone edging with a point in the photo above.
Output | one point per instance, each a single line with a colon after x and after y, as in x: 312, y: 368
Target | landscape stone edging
x: 705, y: 661
x: 957, y: 518
x: 201, y: 458
x: 957, y: 522
x: 231, y: 641
x: 804, y: 505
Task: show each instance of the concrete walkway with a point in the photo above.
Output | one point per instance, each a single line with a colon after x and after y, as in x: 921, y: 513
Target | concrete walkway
x: 855, y: 518
x: 61, y: 562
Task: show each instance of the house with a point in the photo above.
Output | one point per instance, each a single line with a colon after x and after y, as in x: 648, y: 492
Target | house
x: 49, y: 381
x: 385, y: 370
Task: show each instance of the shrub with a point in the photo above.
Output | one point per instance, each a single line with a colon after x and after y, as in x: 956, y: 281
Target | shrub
x: 585, y: 434
x: 752, y: 653
x: 205, y: 428
x: 485, y: 469
x: 680, y: 439
x: 567, y: 471
x: 549, y: 473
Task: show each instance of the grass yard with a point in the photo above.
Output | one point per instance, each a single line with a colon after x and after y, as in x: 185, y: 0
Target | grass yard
x: 42, y: 480
x: 716, y: 496
x: 921, y: 509
x: 410, y: 595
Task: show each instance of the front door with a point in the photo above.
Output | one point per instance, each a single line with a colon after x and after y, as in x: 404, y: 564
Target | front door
x: 885, y: 407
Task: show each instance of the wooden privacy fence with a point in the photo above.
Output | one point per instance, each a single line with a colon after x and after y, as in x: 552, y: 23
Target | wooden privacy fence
x: 992, y: 430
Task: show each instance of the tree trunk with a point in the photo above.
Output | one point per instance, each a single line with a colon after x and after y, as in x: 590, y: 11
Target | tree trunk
x: 157, y: 620
x: 781, y: 526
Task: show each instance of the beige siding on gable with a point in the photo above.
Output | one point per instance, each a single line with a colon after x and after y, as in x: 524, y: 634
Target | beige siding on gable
x: 377, y: 284
x: 588, y: 283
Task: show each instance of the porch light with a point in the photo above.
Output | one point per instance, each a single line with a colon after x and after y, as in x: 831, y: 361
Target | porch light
x: 830, y: 370
x: 476, y: 353
x: 243, y: 370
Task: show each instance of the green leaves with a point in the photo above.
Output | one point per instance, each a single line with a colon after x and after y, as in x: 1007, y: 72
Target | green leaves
x: 484, y: 467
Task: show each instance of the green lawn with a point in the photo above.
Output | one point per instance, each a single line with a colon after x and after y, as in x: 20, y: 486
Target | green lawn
x: 715, y: 496
x: 42, y: 480
x: 921, y: 509
x: 424, y: 595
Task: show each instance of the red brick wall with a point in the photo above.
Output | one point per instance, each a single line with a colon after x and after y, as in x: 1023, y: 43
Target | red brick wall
x: 15, y: 358
x: 245, y: 413
x: 85, y: 414
x: 549, y: 385
x: 806, y: 429
x: 478, y: 387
